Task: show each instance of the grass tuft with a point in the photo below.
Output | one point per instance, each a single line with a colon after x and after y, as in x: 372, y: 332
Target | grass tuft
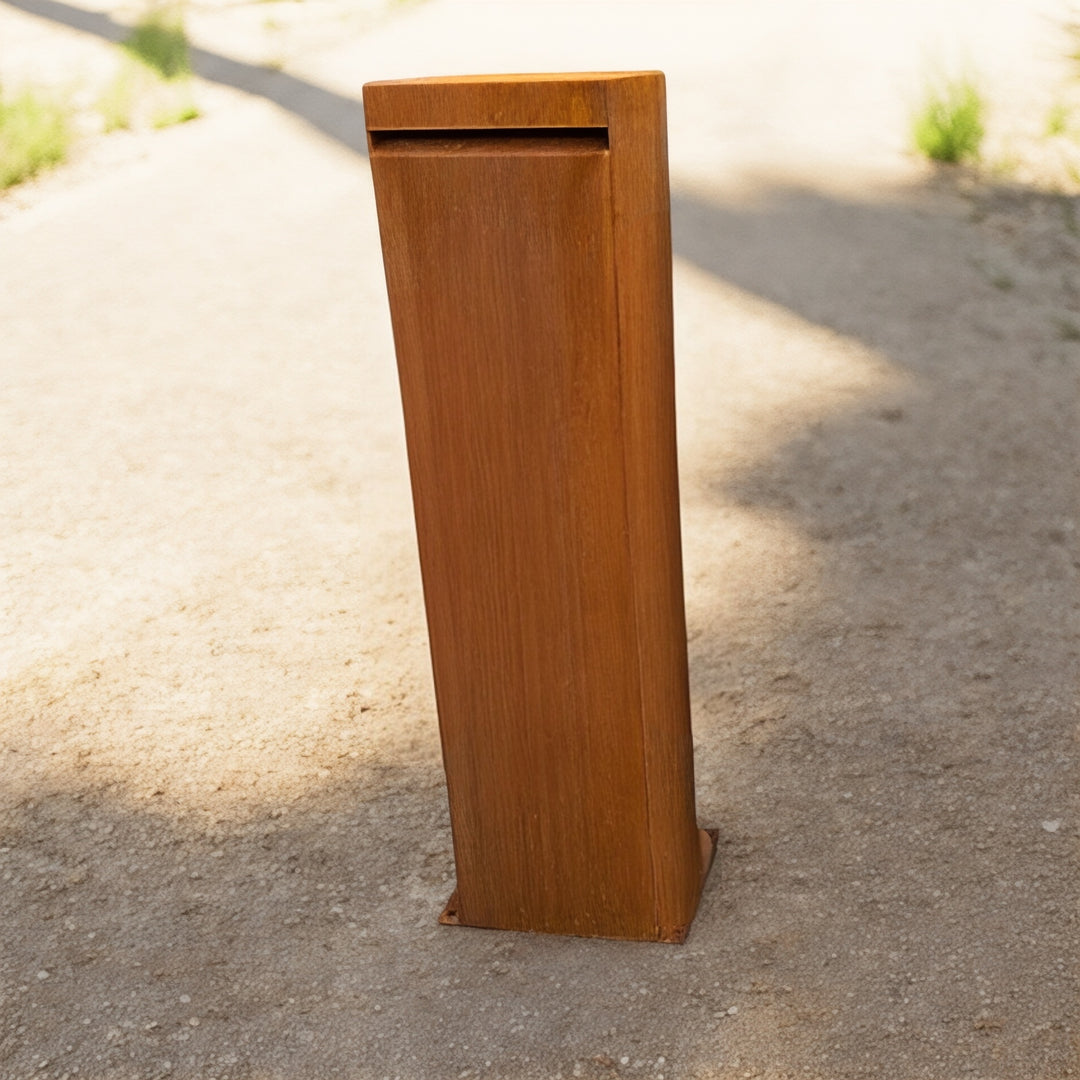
x: 160, y: 42
x: 948, y: 126
x: 179, y: 115
x: 1057, y: 120
x: 154, y: 88
x: 34, y: 135
x: 117, y: 101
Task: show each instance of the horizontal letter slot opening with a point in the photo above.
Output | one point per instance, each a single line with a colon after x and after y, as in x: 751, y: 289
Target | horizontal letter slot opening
x: 486, y: 140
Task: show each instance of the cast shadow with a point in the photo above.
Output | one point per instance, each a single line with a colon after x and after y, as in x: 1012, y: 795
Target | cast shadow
x: 336, y: 116
x: 883, y: 751
x: 885, y: 738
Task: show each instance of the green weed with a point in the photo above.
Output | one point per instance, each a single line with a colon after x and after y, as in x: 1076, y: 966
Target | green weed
x: 34, y: 135
x: 1057, y: 120
x: 949, y: 125
x: 160, y: 42
x: 117, y: 101
x: 181, y: 114
x: 155, y: 89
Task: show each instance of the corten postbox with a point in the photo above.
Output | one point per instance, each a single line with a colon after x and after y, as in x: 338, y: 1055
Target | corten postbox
x: 526, y: 237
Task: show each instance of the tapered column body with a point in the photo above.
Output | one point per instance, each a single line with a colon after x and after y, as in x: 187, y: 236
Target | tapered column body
x: 526, y: 239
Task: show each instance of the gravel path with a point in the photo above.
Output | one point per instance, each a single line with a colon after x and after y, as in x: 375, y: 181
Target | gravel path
x: 223, y: 830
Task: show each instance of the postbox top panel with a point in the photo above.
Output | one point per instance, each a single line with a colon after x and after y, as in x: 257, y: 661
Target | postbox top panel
x: 576, y: 100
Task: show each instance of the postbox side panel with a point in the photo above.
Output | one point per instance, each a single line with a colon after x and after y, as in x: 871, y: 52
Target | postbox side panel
x: 500, y: 269
x: 637, y: 133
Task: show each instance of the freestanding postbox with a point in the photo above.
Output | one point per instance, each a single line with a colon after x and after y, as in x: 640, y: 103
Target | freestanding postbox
x: 526, y: 237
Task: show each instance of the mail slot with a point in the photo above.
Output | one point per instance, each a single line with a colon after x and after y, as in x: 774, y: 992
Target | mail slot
x: 526, y: 241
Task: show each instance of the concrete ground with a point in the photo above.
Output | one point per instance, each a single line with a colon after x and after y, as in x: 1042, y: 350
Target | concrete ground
x: 223, y: 829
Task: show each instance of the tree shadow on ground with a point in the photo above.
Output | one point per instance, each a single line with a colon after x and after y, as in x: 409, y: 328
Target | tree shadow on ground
x: 891, y: 717
x: 883, y: 674
x: 338, y: 117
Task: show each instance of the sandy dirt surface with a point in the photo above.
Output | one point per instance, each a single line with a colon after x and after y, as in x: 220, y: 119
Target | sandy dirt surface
x: 224, y: 838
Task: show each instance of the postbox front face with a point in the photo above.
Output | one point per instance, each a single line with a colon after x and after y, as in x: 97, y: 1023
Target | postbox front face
x: 503, y: 275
